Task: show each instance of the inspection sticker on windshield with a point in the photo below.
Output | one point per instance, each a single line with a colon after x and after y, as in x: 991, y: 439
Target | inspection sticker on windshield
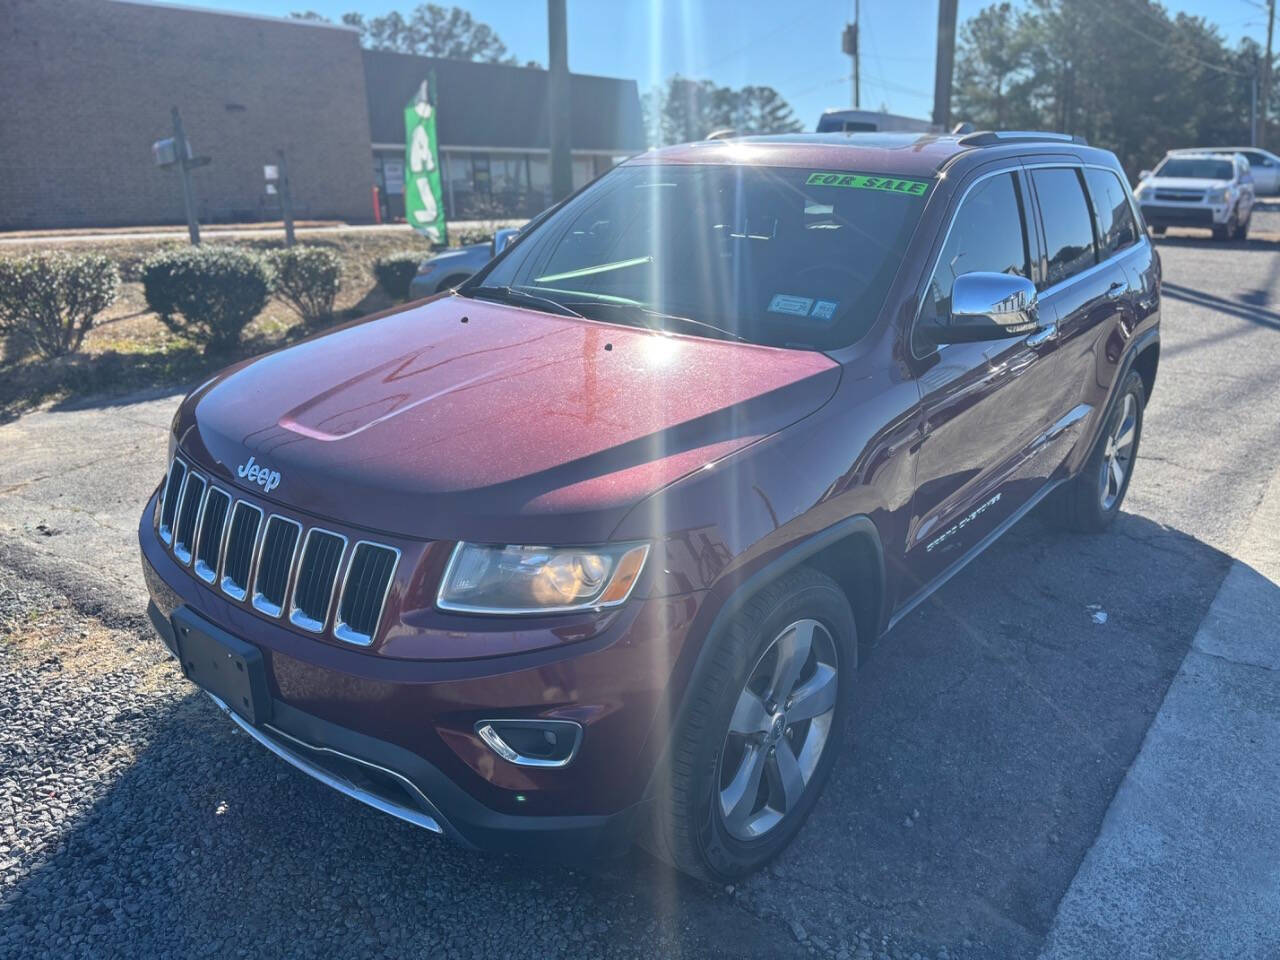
x: 824, y: 309
x: 912, y: 188
x: 786, y: 303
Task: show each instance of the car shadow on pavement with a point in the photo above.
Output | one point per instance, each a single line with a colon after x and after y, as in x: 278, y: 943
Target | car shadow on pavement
x: 990, y: 731
x: 1254, y: 313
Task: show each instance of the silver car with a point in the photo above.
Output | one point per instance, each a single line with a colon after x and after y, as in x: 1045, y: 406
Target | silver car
x: 1206, y: 190
x: 447, y: 269
x: 1263, y: 164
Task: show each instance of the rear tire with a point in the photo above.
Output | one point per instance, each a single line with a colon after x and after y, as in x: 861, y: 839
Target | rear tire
x: 741, y: 778
x: 1090, y: 501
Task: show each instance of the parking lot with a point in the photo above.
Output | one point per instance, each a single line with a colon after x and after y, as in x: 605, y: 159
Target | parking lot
x: 980, y: 812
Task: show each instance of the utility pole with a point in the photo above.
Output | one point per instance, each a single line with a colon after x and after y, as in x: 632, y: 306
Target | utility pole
x: 946, y: 63
x: 286, y: 200
x: 559, y: 107
x: 849, y: 44
x: 1266, y: 76
x: 1253, y: 107
x: 184, y: 170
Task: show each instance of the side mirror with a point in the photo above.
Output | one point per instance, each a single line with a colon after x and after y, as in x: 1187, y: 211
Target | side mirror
x: 1143, y: 174
x: 501, y: 240
x: 987, y: 306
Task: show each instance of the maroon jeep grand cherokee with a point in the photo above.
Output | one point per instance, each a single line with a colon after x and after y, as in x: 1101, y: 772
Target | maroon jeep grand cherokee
x: 589, y: 549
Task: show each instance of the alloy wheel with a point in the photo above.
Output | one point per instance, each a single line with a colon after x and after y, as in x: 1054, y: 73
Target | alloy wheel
x: 1117, y: 454
x: 780, y: 726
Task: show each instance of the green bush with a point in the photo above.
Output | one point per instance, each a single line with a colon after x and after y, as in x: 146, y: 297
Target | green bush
x: 52, y: 299
x: 396, y: 270
x: 207, y: 294
x: 473, y: 235
x: 307, y: 278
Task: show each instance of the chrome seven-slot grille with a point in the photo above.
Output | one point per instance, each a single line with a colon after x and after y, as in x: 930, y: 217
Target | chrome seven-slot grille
x: 234, y: 547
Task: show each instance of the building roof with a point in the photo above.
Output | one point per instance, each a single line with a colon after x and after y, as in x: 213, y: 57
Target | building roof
x: 494, y: 105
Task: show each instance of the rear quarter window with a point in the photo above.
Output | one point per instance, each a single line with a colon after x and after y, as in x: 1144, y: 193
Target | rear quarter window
x: 1116, y: 226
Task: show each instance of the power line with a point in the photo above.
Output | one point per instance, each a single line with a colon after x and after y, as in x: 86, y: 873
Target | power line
x: 1103, y: 7
x: 764, y: 36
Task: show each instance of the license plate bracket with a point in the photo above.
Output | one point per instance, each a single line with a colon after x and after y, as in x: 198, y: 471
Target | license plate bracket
x: 224, y: 665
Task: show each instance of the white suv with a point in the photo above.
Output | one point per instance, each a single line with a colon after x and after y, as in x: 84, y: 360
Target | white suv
x: 1198, y: 190
x: 1263, y: 164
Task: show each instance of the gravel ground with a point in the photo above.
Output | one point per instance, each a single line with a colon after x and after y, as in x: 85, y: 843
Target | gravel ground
x: 134, y: 820
x: 989, y: 735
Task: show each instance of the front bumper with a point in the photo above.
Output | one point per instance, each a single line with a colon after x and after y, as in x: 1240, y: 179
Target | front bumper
x: 399, y: 735
x: 1185, y: 215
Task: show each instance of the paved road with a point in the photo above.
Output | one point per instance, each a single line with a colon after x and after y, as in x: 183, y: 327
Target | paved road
x: 980, y: 806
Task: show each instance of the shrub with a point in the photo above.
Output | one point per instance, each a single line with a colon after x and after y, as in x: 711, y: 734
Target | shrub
x: 208, y: 294
x: 307, y: 278
x: 396, y: 270
x: 52, y: 299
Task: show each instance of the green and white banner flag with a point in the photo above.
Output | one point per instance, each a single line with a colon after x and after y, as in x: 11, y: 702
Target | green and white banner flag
x: 423, y: 202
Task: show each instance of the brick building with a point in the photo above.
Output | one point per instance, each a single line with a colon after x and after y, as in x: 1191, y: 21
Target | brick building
x: 86, y: 86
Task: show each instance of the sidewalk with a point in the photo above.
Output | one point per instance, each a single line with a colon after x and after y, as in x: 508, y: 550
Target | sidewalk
x: 1187, y: 863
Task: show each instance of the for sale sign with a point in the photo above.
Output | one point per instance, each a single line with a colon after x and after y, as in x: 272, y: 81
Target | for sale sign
x: 423, y: 206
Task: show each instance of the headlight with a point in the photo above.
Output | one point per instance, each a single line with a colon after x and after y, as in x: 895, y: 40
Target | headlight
x: 1218, y: 196
x: 512, y: 579
x: 425, y: 267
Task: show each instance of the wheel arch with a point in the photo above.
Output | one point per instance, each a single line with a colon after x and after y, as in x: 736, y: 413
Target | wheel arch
x: 845, y: 551
x: 451, y: 281
x: 1146, y: 361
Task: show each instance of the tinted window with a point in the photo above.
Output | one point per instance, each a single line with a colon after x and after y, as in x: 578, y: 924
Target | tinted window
x: 1116, y: 227
x: 1068, y: 230
x: 778, y: 256
x: 1197, y: 168
x: 1256, y: 158
x: 987, y: 236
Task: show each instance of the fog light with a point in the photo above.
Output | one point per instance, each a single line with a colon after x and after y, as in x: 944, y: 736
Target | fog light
x: 532, y: 743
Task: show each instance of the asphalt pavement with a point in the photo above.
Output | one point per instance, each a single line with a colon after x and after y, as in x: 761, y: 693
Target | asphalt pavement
x: 1023, y: 773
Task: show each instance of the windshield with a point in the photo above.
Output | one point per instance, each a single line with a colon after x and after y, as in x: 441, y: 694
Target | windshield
x: 1197, y: 168
x: 786, y: 257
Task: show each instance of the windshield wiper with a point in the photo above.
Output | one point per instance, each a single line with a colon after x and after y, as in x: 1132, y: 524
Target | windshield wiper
x: 644, y: 315
x: 512, y: 295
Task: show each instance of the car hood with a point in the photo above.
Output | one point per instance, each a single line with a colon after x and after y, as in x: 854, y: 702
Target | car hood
x: 1185, y: 183
x: 464, y: 419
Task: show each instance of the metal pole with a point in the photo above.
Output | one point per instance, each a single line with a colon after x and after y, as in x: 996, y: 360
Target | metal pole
x: 559, y: 107
x: 945, y: 63
x: 1264, y: 113
x: 286, y: 200
x: 188, y: 199
x: 1253, y: 110
x: 857, y: 57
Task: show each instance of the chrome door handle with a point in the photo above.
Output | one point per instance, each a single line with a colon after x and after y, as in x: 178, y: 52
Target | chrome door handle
x: 1115, y: 289
x: 1041, y: 337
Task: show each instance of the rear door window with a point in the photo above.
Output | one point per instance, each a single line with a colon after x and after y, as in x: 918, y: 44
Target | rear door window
x: 1068, y: 226
x: 1116, y: 226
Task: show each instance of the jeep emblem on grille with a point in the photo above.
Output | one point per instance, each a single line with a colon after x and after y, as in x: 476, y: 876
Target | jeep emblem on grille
x: 268, y: 480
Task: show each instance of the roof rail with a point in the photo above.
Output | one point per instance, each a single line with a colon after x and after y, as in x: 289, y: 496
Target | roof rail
x: 988, y: 138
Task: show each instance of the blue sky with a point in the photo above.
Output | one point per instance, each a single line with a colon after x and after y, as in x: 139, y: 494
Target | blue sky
x: 793, y: 47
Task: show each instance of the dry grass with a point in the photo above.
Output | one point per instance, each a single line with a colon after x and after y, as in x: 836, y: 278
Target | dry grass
x: 130, y: 349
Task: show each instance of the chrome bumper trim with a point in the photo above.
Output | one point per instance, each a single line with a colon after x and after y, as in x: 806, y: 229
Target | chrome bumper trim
x: 343, y: 786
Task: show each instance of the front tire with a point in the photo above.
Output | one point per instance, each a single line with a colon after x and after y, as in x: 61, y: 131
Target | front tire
x: 1089, y: 502
x: 760, y: 732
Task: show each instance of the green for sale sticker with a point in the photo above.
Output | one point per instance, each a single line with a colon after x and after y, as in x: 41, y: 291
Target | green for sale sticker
x: 912, y: 188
